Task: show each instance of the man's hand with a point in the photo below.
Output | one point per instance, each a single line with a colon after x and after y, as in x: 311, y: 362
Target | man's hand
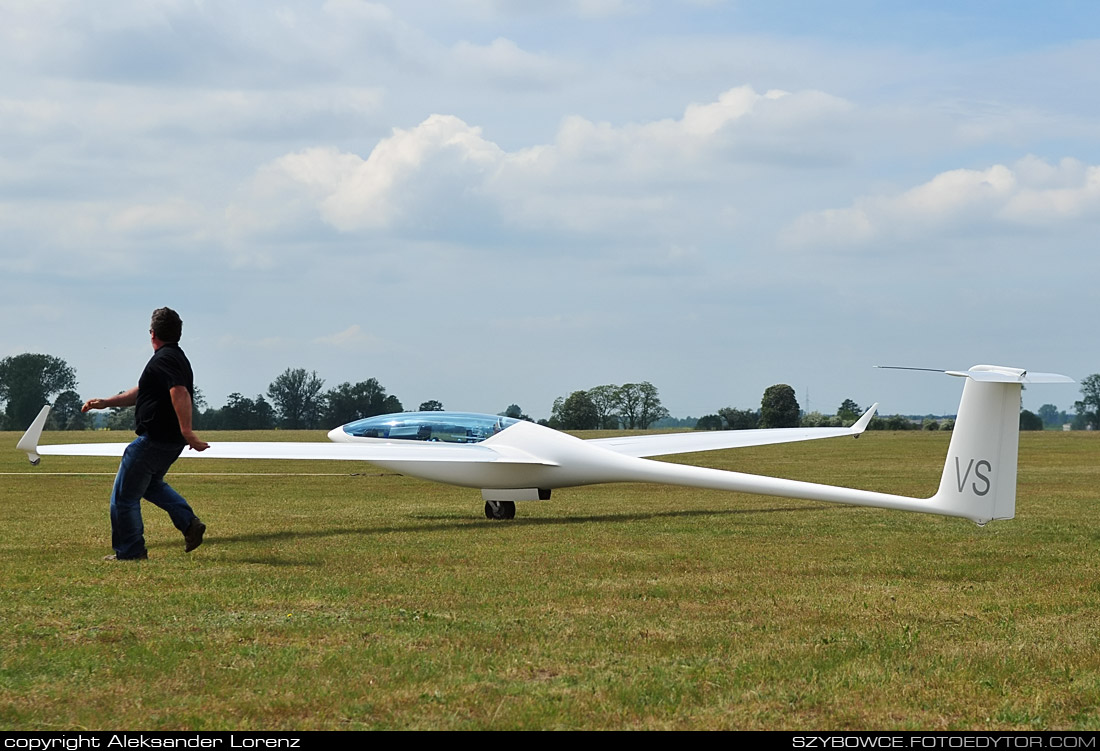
x: 93, y: 404
x: 194, y: 441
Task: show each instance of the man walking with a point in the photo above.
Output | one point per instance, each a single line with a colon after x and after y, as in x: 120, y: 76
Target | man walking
x: 163, y: 402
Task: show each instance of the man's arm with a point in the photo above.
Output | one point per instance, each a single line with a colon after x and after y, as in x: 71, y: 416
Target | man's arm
x: 181, y: 402
x: 127, y: 398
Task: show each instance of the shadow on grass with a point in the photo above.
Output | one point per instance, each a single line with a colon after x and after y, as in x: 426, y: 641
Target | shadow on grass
x: 288, y: 562
x: 455, y: 523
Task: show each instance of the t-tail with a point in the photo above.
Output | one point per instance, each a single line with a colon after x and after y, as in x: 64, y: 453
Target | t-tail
x: 979, y: 476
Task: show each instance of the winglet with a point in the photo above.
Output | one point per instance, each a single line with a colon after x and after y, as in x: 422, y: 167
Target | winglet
x: 29, y: 441
x: 861, y: 424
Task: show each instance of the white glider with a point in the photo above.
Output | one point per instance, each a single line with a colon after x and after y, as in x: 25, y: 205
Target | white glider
x: 512, y: 460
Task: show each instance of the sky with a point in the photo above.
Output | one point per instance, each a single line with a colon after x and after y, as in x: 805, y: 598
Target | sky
x: 495, y: 202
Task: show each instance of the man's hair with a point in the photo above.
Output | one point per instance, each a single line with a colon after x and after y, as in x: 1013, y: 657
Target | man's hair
x: 166, y: 325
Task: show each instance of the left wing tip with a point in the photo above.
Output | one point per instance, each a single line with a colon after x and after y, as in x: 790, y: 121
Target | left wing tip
x: 29, y: 442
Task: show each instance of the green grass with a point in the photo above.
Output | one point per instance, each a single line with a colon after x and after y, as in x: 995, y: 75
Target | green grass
x: 350, y: 601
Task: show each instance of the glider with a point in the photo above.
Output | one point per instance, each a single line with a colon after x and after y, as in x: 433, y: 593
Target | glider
x: 513, y: 460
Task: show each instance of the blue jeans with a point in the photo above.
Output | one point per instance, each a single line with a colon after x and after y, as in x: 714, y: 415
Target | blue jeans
x: 141, y: 475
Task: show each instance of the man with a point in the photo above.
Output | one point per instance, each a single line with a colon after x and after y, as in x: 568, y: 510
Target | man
x: 162, y: 401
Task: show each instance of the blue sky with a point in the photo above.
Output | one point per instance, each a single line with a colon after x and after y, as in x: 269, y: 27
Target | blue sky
x: 489, y: 202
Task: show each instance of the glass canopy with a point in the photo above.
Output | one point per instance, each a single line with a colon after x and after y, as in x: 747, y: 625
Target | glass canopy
x: 451, y: 427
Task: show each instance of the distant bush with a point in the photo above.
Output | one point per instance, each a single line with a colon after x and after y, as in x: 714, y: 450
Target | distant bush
x: 1030, y: 421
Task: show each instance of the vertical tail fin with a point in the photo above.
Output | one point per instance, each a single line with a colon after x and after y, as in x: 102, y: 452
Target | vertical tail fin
x: 979, y: 477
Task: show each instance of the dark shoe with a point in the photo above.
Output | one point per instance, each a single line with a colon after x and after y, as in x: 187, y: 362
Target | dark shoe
x: 142, y: 557
x: 192, y: 538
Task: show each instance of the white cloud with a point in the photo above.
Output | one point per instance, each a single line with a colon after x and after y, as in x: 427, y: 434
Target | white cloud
x: 594, y: 177
x: 352, y: 338
x: 956, y: 192
x: 735, y: 122
x: 442, y: 157
x: 1032, y: 192
x: 1055, y: 194
x: 707, y: 119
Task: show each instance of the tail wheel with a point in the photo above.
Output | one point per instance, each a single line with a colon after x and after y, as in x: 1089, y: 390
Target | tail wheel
x: 500, y: 510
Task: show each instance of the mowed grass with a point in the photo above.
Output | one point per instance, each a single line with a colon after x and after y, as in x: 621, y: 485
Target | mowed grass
x: 359, y: 601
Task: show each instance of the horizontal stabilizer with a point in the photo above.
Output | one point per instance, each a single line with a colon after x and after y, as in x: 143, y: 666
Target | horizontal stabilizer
x: 993, y: 374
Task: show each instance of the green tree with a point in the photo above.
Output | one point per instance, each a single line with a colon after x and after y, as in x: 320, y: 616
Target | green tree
x: 1030, y: 421
x: 848, y: 410
x: 575, y: 412
x: 639, y: 405
x: 628, y: 401
x: 516, y: 413
x: 349, y: 402
x: 779, y: 407
x: 1051, y: 416
x: 740, y: 419
x: 1089, y: 406
x: 121, y: 418
x: 898, y: 422
x: 606, y: 400
x: 296, y: 396
x: 241, y: 413
x: 817, y: 420
x: 66, y: 414
x: 29, y: 381
x: 432, y: 405
x: 709, y: 422
x: 650, y: 410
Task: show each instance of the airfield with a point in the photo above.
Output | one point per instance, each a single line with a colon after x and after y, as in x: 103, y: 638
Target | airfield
x: 329, y: 596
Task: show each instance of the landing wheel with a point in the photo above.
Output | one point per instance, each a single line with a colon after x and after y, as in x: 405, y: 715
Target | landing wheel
x: 500, y: 510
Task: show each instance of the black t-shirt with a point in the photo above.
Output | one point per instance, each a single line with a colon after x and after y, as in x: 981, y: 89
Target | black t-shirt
x: 153, y: 412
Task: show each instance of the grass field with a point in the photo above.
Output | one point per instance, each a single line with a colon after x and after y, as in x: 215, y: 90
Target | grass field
x: 358, y: 601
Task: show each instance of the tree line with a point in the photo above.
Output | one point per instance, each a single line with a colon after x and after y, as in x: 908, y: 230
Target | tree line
x: 631, y: 406
x: 297, y: 399
x: 779, y: 408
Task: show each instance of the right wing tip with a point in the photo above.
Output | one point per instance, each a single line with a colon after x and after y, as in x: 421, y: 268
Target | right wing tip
x: 865, y: 419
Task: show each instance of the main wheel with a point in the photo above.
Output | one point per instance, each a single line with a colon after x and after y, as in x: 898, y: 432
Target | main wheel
x: 500, y: 510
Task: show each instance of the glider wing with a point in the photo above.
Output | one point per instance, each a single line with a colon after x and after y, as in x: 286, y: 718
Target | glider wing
x: 712, y: 440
